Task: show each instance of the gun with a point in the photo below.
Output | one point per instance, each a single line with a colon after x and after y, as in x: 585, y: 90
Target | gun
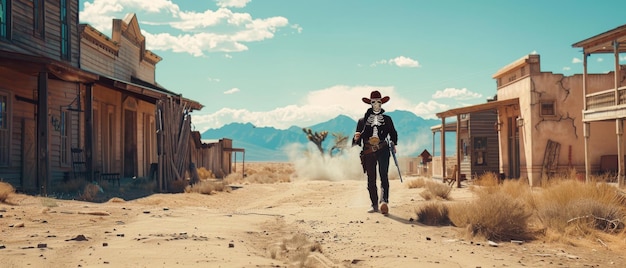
x: 395, y: 159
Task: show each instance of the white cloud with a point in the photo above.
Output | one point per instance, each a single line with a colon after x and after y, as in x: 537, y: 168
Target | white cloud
x: 401, y: 61
x: 404, y: 62
x: 316, y: 107
x: 458, y: 94
x: 576, y: 60
x: 232, y: 91
x: 600, y: 60
x: 566, y: 68
x: 191, y: 32
x: 232, y: 3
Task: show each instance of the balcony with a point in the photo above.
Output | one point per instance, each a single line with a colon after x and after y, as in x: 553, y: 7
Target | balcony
x: 601, y: 105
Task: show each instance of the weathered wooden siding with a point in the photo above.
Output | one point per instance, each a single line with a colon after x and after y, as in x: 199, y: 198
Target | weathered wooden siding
x: 482, y: 125
x: 22, y: 31
x: 16, y: 84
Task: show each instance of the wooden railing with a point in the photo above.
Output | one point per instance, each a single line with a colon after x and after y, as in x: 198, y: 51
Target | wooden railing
x: 605, y: 98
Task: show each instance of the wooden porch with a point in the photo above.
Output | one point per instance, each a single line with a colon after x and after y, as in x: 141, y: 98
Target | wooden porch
x: 601, y: 102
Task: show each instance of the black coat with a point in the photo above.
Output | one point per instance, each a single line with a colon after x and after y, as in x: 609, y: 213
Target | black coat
x: 366, y: 128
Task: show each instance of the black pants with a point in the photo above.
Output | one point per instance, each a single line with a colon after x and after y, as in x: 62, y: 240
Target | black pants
x: 379, y: 158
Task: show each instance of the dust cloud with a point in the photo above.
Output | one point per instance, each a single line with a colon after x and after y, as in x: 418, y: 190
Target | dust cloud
x: 310, y: 164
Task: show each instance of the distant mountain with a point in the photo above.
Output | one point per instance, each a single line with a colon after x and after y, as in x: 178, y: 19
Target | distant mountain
x: 267, y: 143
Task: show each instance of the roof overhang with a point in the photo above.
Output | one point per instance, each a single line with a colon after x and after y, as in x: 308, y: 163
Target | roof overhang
x: 149, y: 94
x: 603, y: 43
x: 32, y: 64
x: 479, y: 107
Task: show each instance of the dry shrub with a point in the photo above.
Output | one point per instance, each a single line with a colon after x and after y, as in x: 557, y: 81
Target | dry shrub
x: 487, y: 179
x: 571, y: 207
x: 438, y: 190
x: 204, y: 173
x: 90, y: 192
x: 433, y: 213
x: 427, y: 195
x: 5, y: 190
x: 416, y: 183
x: 208, y: 187
x: 496, y: 216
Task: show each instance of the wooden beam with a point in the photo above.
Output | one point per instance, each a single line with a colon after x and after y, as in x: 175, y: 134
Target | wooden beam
x: 43, y: 158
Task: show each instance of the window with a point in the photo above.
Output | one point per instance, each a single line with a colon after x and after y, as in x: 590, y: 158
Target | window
x: 38, y: 18
x: 4, y: 18
x: 480, y: 151
x: 65, y: 31
x: 5, y: 134
x: 547, y: 108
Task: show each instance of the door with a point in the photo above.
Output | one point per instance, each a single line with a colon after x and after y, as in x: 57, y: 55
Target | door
x: 514, y: 153
x: 29, y: 159
x: 130, y: 143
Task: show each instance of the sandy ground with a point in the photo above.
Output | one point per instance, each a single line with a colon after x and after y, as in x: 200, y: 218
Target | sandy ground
x: 296, y: 224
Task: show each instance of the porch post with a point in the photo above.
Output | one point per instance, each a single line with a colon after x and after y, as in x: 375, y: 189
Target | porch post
x: 586, y: 132
x: 89, y: 144
x: 616, y: 74
x: 620, y: 151
x: 43, y: 159
x: 443, y: 147
x: 458, y: 151
x: 586, y: 125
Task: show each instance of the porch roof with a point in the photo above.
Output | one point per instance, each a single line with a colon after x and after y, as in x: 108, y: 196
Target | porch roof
x: 143, y: 91
x: 28, y: 63
x: 603, y: 43
x: 479, y: 107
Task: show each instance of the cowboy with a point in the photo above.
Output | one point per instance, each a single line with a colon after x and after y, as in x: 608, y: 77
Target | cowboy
x: 372, y: 133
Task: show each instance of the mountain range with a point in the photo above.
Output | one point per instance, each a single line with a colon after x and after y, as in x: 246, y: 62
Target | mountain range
x: 267, y: 144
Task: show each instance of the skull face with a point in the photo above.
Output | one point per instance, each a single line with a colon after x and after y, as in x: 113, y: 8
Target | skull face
x: 376, y: 105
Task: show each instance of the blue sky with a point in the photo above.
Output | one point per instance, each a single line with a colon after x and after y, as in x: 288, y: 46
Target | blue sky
x: 281, y: 63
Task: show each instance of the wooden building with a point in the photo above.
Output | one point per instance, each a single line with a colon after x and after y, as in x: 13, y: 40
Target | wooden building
x: 216, y: 156
x: 476, y: 139
x: 40, y: 81
x: 65, y: 87
x: 603, y: 105
x: 125, y: 104
x: 540, y: 129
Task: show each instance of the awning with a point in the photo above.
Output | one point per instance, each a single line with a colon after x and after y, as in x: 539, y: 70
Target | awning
x: 479, y: 107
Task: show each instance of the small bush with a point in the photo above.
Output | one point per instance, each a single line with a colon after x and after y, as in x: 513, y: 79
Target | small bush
x: 495, y: 216
x: 208, y: 187
x: 571, y: 207
x: 416, y: 183
x: 438, y: 189
x: 5, y: 190
x: 487, y: 179
x: 433, y: 213
x: 90, y: 192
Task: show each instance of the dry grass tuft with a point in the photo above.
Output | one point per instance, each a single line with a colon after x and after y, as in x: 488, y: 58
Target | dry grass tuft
x: 416, y: 183
x: 204, y: 174
x: 208, y: 187
x: 496, y: 216
x: 573, y: 208
x: 436, y: 190
x: 433, y: 213
x: 487, y: 179
x: 90, y: 192
x: 5, y: 190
